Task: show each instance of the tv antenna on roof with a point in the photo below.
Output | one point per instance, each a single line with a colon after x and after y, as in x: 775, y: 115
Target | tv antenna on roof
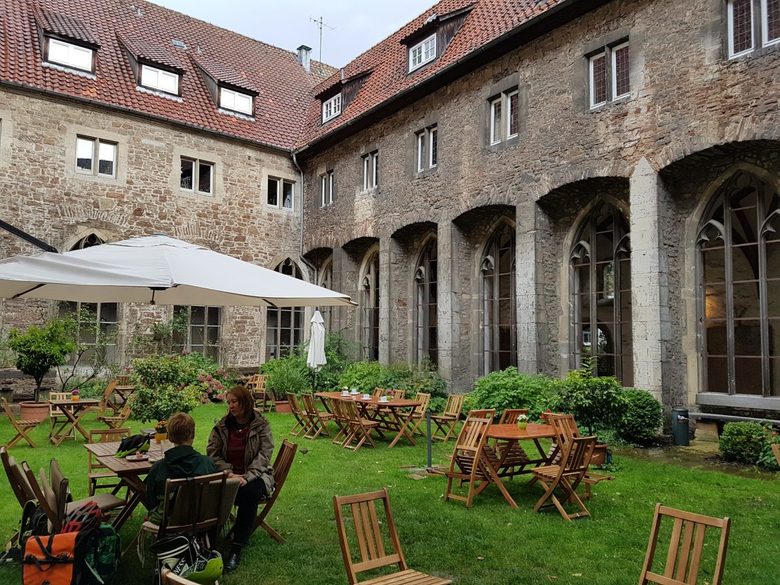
x: 320, y: 24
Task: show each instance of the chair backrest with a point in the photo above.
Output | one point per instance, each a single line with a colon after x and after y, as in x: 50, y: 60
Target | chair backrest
x: 564, y: 425
x: 61, y: 488
x: 295, y: 406
x: 482, y: 413
x: 44, y: 494
x: 194, y: 505
x: 776, y: 451
x: 576, y: 456
x: 103, y: 436
x: 282, y: 464
x: 308, y: 404
x: 54, y: 411
x: 398, y: 393
x: 473, y: 435
x: 510, y: 415
x: 108, y: 393
x: 424, y: 398
x: 363, y: 527
x: 379, y: 392
x: 256, y: 382
x: 350, y: 411
x: 19, y: 484
x: 7, y: 409
x: 454, y: 404
x: 687, y: 545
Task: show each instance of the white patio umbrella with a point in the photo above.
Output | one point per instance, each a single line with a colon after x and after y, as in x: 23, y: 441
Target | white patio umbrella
x: 316, y: 357
x: 156, y: 269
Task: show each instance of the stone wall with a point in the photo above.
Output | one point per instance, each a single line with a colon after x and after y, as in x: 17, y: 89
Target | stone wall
x: 45, y: 196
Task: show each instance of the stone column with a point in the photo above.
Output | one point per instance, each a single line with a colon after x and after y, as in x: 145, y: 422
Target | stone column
x: 388, y: 249
x: 345, y: 281
x: 528, y: 302
x: 649, y: 280
x: 454, y: 358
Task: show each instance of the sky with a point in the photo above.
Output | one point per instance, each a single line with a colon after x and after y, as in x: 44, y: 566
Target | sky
x: 351, y: 26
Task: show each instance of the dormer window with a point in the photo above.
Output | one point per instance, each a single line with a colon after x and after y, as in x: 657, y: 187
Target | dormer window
x: 331, y: 108
x: 235, y: 101
x: 70, y: 55
x: 159, y: 79
x: 422, y: 53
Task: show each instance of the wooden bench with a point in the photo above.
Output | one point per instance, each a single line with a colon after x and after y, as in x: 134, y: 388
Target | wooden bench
x: 721, y: 419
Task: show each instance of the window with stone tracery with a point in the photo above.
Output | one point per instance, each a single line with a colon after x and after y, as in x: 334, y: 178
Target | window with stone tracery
x: 369, y: 309
x: 425, y: 306
x: 284, y: 325
x: 498, y: 319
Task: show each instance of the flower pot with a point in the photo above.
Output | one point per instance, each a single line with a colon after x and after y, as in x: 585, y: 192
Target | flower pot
x: 29, y: 410
x: 522, y: 425
x: 74, y: 397
x: 283, y: 406
x: 160, y: 437
x: 599, y: 454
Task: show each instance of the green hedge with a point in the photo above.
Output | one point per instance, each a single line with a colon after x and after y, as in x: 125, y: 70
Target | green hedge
x: 510, y: 389
x: 744, y: 442
x: 641, y: 418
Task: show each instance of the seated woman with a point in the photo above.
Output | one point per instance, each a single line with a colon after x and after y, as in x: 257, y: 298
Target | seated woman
x: 242, y: 443
x: 179, y: 461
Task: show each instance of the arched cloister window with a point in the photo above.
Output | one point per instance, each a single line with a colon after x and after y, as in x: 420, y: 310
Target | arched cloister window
x: 498, y: 321
x: 284, y: 326
x: 96, y: 323
x: 600, y: 268
x: 326, y: 280
x: 369, y: 309
x: 739, y: 289
x: 425, y: 306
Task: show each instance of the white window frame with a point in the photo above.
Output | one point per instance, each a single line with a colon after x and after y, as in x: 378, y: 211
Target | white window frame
x: 196, y: 187
x: 74, y: 55
x: 370, y: 170
x: 591, y: 80
x: 500, y: 128
x: 236, y: 101
x: 331, y: 107
x: 730, y: 18
x: 152, y: 78
x: 424, y: 154
x: 280, y: 193
x: 495, y: 127
x: 326, y: 189
x: 613, y: 66
x: 96, y: 145
x: 422, y: 53
x: 510, y: 113
x: 766, y: 41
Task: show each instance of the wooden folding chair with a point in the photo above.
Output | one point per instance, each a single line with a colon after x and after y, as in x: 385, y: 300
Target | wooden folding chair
x: 510, y: 415
x: 565, y: 477
x: 44, y: 494
x: 448, y: 420
x: 16, y: 477
x: 256, y: 385
x: 473, y: 462
x: 398, y: 393
x: 359, y: 427
x: 107, y: 401
x: 302, y: 423
x: 65, y: 503
x: 687, y: 546
x: 115, y: 421
x: 366, y: 531
x: 318, y: 420
x: 56, y: 416
x: 96, y: 471
x: 342, y: 421
x: 282, y: 464
x: 418, y: 416
x: 776, y: 451
x: 22, y: 427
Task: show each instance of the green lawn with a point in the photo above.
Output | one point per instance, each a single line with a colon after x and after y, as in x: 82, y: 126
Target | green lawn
x: 489, y: 544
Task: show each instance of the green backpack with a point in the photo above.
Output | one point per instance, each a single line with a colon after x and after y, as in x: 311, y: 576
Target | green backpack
x: 97, y: 556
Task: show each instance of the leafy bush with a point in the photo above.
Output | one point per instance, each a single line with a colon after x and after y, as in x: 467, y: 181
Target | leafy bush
x: 287, y: 374
x: 641, y: 418
x: 39, y: 349
x: 339, y: 353
x: 511, y: 389
x: 182, y: 370
x: 767, y: 458
x: 159, y: 403
x: 88, y: 388
x: 594, y: 401
x: 365, y: 376
x: 743, y: 442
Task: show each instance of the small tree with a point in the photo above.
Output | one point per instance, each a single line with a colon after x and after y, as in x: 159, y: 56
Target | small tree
x: 83, y: 325
x: 38, y: 349
x: 595, y: 401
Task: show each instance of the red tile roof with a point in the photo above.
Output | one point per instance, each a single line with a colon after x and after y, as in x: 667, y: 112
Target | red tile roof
x: 283, y: 86
x: 488, y: 20
x: 286, y: 116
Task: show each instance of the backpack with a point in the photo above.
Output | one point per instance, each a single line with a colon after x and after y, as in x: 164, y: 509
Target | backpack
x: 133, y: 444
x: 97, y: 548
x: 185, y: 557
x: 49, y: 560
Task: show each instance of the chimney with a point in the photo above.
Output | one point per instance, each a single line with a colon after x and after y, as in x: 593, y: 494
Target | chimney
x: 304, y: 57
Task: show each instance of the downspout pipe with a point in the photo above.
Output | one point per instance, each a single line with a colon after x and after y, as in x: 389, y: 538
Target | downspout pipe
x: 308, y: 264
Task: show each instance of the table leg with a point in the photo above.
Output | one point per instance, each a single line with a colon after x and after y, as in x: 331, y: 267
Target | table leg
x: 403, y: 424
x: 136, y: 489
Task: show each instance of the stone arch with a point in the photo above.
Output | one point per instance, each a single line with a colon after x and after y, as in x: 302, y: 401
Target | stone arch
x: 368, y: 303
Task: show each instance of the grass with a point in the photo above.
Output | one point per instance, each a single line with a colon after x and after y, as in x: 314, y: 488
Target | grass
x: 491, y: 543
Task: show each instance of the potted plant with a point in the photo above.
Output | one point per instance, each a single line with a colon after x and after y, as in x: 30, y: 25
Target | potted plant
x: 283, y: 375
x: 75, y: 394
x: 38, y: 349
x: 522, y: 421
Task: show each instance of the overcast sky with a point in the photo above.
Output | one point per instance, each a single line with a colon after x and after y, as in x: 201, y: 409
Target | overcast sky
x: 355, y: 26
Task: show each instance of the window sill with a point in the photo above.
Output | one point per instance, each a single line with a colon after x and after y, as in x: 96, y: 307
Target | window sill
x: 371, y: 191
x: 617, y: 101
x: 159, y: 93
x: 279, y: 209
x: 758, y: 52
x: 503, y: 145
x: 73, y: 70
x: 198, y: 194
x: 426, y: 172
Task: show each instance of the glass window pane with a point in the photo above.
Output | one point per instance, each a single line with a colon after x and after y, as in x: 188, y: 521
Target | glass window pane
x: 714, y: 266
x: 107, y: 158
x: 598, y: 79
x: 746, y: 304
x: 495, y: 117
x: 748, y: 376
x: 84, y: 153
x: 197, y: 315
x: 717, y: 375
x: 287, y: 201
x: 741, y: 12
x: 513, y: 115
x: 186, y: 173
x: 715, y: 301
x: 716, y: 338
x: 774, y: 377
x: 772, y: 18
x: 747, y: 338
x: 213, y: 315
x: 204, y: 177
x: 620, y: 59
x: 196, y: 335
x: 273, y: 192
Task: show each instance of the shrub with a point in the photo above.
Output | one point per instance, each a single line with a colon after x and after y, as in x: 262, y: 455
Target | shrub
x: 182, y: 370
x: 365, y: 376
x: 39, y: 349
x: 594, y: 401
x: 287, y: 374
x: 743, y: 442
x: 642, y: 417
x: 511, y: 389
x: 339, y: 353
x: 159, y: 403
x: 767, y: 458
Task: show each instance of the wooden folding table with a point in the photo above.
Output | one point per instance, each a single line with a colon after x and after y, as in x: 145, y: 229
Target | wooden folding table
x: 73, y: 410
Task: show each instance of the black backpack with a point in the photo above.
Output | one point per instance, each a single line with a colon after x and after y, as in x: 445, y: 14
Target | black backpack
x: 133, y: 444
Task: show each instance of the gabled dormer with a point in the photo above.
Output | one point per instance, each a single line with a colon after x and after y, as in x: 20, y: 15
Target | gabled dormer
x: 231, y: 91
x: 428, y: 42
x: 155, y: 68
x: 66, y: 41
x: 336, y: 96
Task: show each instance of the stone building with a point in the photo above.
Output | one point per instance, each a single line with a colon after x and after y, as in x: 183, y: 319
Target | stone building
x: 497, y: 183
